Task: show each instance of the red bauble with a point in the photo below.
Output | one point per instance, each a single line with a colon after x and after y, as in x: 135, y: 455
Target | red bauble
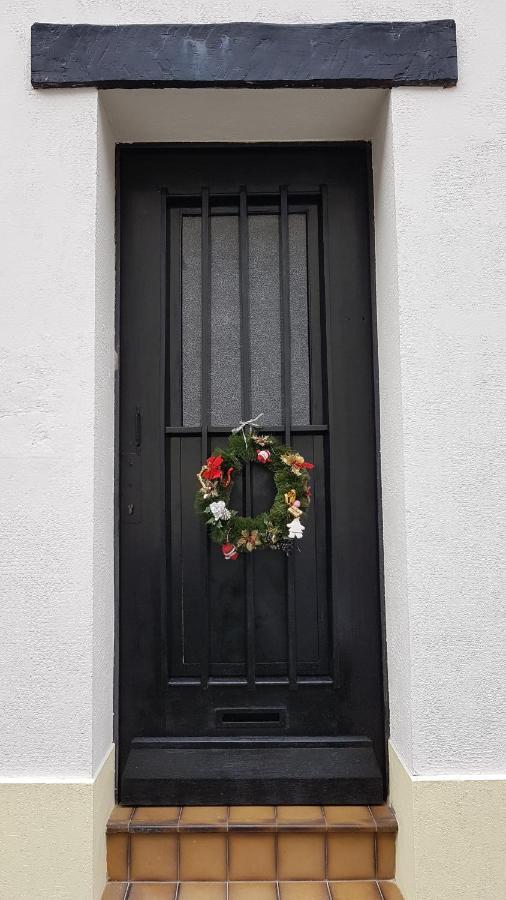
x: 263, y: 456
x: 229, y: 551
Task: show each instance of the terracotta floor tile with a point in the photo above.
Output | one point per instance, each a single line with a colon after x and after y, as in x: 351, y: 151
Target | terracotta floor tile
x: 117, y: 857
x: 390, y: 891
x: 153, y: 857
x: 354, y: 890
x: 303, y: 890
x: 349, y: 817
x: 252, y: 856
x: 155, y: 817
x: 203, y: 817
x: 300, y: 817
x: 119, y: 818
x: 115, y: 890
x: 350, y: 855
x: 202, y: 856
x: 152, y: 891
x: 301, y: 856
x: 202, y: 890
x: 384, y: 817
x: 385, y: 855
x: 251, y: 816
x: 252, y: 890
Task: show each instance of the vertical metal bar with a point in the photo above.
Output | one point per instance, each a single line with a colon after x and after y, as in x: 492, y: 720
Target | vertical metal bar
x: 204, y: 417
x: 246, y: 414
x: 332, y: 438
x: 164, y: 285
x: 284, y: 267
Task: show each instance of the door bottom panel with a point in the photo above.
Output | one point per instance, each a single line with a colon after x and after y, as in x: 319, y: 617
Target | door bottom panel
x: 237, y: 770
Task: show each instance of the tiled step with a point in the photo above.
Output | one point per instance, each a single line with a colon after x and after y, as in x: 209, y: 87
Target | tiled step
x: 248, y: 890
x: 320, y: 845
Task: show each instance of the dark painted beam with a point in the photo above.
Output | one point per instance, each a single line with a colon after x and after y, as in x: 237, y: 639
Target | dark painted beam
x: 257, y: 55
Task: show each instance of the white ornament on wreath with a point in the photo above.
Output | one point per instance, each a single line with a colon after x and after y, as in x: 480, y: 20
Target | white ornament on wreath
x: 295, y: 529
x: 219, y: 510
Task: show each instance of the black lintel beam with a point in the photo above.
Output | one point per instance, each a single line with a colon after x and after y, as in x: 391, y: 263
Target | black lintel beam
x: 245, y: 54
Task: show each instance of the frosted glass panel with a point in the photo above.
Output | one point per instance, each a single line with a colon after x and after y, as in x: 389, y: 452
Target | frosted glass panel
x: 299, y: 333
x: 264, y: 314
x: 265, y: 324
x: 190, y: 318
x: 225, y: 322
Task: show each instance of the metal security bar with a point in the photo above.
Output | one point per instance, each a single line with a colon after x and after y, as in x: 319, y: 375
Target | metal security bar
x: 204, y: 414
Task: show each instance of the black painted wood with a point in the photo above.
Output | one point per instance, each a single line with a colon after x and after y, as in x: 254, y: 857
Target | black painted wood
x: 174, y: 684
x: 267, y: 770
x: 245, y: 54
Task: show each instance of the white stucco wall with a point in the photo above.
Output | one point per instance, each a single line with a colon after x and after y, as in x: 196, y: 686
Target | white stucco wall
x: 444, y: 557
x: 440, y: 218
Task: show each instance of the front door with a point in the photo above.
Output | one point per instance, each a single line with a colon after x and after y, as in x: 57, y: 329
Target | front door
x: 245, y: 289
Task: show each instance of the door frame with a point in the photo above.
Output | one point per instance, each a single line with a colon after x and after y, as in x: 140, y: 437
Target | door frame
x: 142, y: 146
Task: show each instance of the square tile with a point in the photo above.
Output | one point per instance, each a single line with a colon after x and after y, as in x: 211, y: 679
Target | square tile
x: 115, y: 890
x: 251, y: 857
x: 303, y: 890
x: 252, y: 890
x: 117, y: 857
x: 349, y: 817
x: 153, y: 857
x: 252, y: 817
x: 390, y: 891
x: 354, y: 890
x: 350, y: 856
x: 300, y: 817
x: 385, y: 855
x: 155, y: 818
x: 202, y: 857
x: 202, y: 891
x: 384, y: 817
x: 151, y: 891
x: 119, y: 818
x: 301, y: 856
x: 201, y: 818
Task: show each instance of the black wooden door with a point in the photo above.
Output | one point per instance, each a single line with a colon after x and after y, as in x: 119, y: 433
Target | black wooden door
x: 245, y: 289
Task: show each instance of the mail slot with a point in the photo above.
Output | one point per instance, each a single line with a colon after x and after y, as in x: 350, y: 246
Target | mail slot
x: 236, y: 718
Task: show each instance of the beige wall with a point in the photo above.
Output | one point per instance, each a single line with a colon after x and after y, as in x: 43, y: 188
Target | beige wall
x: 452, y: 835
x: 52, y: 837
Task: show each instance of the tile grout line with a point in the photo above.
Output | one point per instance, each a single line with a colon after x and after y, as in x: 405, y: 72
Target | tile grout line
x: 380, y: 892
x: 227, y: 852
x: 276, y: 851
x: 178, y: 851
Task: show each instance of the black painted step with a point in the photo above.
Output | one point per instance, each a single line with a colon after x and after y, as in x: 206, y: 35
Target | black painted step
x: 237, y: 770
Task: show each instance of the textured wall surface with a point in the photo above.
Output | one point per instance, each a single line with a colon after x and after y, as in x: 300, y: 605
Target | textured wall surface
x: 440, y: 215
x: 452, y: 835
x: 448, y: 467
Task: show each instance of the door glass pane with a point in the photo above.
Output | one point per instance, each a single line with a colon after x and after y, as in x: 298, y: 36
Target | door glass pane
x: 225, y: 321
x: 265, y: 321
x: 299, y: 333
x: 190, y: 318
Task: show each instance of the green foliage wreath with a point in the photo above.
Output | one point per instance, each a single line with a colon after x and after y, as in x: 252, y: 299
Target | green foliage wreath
x: 282, y: 523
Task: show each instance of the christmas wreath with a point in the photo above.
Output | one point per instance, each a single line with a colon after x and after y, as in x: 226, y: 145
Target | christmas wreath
x: 282, y: 523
